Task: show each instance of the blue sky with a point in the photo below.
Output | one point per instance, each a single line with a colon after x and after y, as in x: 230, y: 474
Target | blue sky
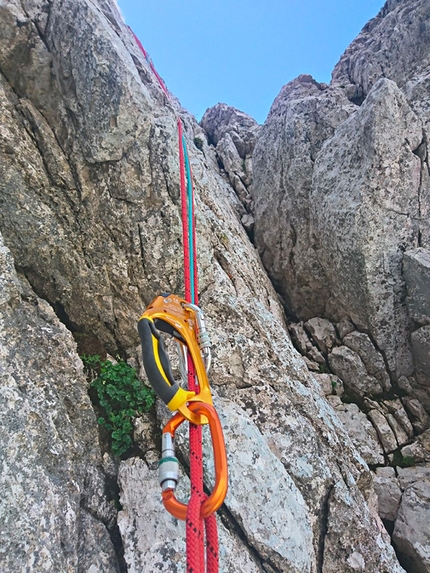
x: 242, y: 52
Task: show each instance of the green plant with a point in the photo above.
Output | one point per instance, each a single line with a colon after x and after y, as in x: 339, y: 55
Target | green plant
x: 402, y: 461
x: 121, y: 396
x: 198, y: 143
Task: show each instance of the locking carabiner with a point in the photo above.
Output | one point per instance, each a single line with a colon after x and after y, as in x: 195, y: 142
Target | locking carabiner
x: 169, y: 465
x: 184, y: 321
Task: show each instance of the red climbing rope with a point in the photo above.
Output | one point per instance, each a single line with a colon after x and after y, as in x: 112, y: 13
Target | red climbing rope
x: 196, y: 526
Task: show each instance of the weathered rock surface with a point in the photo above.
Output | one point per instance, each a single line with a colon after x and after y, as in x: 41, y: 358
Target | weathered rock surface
x: 371, y: 357
x: 420, y: 340
x: 362, y: 433
x: 392, y: 45
x: 411, y: 538
x: 385, y: 432
x: 419, y: 417
x: 348, y: 365
x: 54, y: 516
x: 416, y: 269
x: 408, y: 476
x: 329, y: 226
x: 154, y: 540
x: 388, y: 492
x: 419, y: 450
x: 89, y: 207
x: 323, y: 333
x: 302, y: 117
x: 233, y: 134
x: 361, y: 223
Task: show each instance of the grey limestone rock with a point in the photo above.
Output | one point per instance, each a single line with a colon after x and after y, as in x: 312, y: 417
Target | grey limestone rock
x: 371, y: 357
x: 154, y: 541
x: 341, y: 183
x: 344, y: 327
x: 300, y: 337
x: 395, y: 407
x: 233, y: 133
x: 361, y: 223
x: 384, y: 430
x: 51, y: 465
x: 391, y: 45
x: 323, y: 333
x: 348, y: 365
x: 362, y: 433
x: 420, y: 340
x: 302, y: 117
x: 90, y: 210
x: 419, y: 451
x: 416, y: 268
x: 389, y: 493
x: 408, y: 476
x: 419, y: 417
x: 411, y: 534
x: 330, y: 384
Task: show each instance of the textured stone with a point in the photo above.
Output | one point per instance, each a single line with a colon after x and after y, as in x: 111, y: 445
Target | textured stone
x: 384, y: 430
x: 419, y: 417
x: 420, y: 340
x: 154, y: 540
x: 400, y: 434
x: 89, y: 193
x: 277, y: 526
x: 395, y: 407
x: 420, y: 449
x: 416, y: 269
x: 350, y: 368
x: 411, y: 534
x: 389, y: 495
x: 299, y: 337
x: 415, y: 452
x: 233, y: 133
x: 365, y: 197
x: 408, y: 476
x: 371, y: 357
x: 344, y: 327
x: 391, y: 45
x: 54, y: 514
x: 302, y: 117
x: 323, y: 333
x: 330, y: 384
x: 361, y: 432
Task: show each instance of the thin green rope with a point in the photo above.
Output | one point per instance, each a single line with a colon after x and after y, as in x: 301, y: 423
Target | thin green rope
x: 190, y: 216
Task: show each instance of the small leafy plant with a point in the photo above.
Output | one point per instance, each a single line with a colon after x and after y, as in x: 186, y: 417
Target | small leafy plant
x: 121, y: 396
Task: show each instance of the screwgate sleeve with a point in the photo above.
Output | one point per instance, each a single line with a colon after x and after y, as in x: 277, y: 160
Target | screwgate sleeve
x: 156, y: 361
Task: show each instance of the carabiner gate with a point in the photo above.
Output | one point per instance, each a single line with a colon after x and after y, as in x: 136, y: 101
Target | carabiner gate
x: 169, y: 466
x: 184, y: 321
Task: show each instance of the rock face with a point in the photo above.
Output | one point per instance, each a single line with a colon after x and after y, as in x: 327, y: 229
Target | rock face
x: 233, y: 135
x: 416, y: 268
x: 89, y: 208
x: 341, y: 183
x: 54, y: 511
x: 411, y: 539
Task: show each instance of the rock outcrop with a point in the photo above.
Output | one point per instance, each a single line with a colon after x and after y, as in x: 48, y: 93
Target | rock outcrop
x: 233, y: 135
x: 341, y: 187
x: 342, y: 207
x: 55, y: 513
x: 89, y: 197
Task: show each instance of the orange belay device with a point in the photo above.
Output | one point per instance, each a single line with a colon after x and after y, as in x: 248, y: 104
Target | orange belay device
x: 185, y: 323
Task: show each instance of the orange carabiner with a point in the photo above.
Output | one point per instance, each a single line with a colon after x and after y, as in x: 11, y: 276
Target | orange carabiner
x: 184, y: 322
x: 168, y: 467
